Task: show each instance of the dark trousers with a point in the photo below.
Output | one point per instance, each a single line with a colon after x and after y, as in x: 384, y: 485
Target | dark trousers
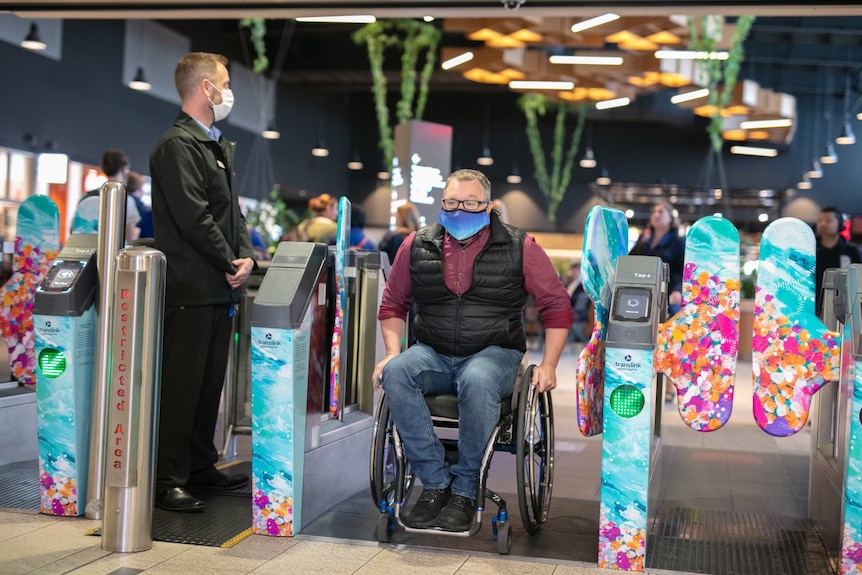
x: 194, y: 359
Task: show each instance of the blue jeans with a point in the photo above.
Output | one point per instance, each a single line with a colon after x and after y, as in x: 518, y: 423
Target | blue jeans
x: 480, y: 381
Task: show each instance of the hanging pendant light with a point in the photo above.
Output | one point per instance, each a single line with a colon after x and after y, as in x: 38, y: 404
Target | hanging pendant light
x: 815, y: 171
x: 485, y: 159
x: 33, y: 41
x: 846, y: 137
x: 271, y: 132
x: 139, y: 82
x: 829, y: 156
x: 320, y: 150
x: 514, y: 177
x: 589, y: 160
x: 604, y: 179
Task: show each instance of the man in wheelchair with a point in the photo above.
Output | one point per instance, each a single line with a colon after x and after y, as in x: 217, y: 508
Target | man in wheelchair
x: 469, y: 276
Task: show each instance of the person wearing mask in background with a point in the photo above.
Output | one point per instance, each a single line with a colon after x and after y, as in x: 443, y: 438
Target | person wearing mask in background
x: 469, y: 275
x: 135, y: 188
x: 833, y: 250
x: 200, y: 228
x: 321, y: 227
x: 115, y: 165
x: 661, y: 239
x: 358, y: 239
x: 407, y: 219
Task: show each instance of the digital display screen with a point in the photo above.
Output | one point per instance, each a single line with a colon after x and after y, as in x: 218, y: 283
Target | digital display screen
x: 62, y: 275
x: 632, y: 304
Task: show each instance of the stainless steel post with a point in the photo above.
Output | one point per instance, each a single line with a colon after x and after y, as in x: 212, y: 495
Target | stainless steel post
x: 133, y: 400
x: 112, y: 218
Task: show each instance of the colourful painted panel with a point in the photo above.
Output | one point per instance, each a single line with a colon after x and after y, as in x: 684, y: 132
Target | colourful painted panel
x: 36, y: 246
x: 342, y: 252
x: 605, y: 239
x: 793, y: 354
x: 697, y: 347
x: 851, y: 538
x: 626, y: 445
x: 279, y: 369
x: 63, y: 405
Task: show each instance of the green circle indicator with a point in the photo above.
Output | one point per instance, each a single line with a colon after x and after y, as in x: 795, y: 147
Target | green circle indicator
x: 627, y: 401
x: 52, y: 362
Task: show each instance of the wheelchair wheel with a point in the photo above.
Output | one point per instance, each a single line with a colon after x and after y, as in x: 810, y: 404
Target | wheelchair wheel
x: 504, y: 538
x: 384, y: 463
x: 535, y: 453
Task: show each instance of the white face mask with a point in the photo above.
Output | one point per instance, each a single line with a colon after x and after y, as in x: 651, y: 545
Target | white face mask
x: 220, y: 111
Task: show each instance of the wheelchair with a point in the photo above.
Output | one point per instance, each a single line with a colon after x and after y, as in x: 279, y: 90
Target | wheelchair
x: 525, y: 429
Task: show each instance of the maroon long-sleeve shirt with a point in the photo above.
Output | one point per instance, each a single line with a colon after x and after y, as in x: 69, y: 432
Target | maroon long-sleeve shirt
x: 540, y: 278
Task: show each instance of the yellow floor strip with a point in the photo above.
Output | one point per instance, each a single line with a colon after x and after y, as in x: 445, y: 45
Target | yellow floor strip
x: 236, y: 539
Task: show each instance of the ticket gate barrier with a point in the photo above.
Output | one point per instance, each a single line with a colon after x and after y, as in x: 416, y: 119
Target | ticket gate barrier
x: 851, y: 373
x: 64, y: 321
x: 631, y: 445
x: 133, y: 399
x: 294, y: 481
x: 830, y: 425
x: 235, y: 415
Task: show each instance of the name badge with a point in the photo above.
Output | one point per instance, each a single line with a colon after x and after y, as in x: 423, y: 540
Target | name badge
x: 220, y: 164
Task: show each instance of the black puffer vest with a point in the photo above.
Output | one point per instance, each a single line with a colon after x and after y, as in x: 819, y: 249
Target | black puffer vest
x: 489, y: 313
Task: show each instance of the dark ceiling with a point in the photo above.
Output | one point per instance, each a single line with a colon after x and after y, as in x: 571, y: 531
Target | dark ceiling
x: 798, y: 55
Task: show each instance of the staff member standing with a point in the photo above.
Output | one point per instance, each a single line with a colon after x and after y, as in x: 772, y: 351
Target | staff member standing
x: 199, y: 227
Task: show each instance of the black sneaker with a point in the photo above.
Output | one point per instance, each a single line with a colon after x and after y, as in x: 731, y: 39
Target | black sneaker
x: 458, y: 514
x: 427, y: 509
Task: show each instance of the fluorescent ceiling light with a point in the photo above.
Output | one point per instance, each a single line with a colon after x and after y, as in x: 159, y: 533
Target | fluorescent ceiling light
x: 457, y: 60
x: 688, y: 96
x: 590, y: 60
x: 349, y: 19
x: 593, y: 22
x: 691, y: 55
x: 753, y: 151
x: 540, y: 85
x: 615, y: 103
x: 758, y: 124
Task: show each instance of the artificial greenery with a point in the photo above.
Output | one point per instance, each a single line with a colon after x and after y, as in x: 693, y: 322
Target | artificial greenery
x: 412, y: 38
x: 553, y: 185
x: 257, y: 33
x: 719, y: 72
x: 273, y: 219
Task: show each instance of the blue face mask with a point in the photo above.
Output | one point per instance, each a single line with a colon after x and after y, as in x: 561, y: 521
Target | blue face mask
x: 462, y: 225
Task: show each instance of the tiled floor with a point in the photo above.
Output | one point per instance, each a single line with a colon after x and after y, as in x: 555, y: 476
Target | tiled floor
x: 738, y: 468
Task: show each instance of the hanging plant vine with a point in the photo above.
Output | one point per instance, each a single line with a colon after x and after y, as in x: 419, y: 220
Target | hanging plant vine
x: 721, y: 73
x: 412, y: 38
x: 257, y: 33
x: 553, y: 185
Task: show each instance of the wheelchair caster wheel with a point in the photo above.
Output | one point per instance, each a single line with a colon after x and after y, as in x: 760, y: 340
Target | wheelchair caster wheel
x: 504, y: 538
x: 384, y: 528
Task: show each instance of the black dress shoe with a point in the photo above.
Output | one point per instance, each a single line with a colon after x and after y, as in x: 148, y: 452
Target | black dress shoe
x: 178, y: 499
x: 218, y: 481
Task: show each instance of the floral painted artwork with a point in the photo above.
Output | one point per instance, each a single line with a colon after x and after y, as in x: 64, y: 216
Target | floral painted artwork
x: 697, y: 348
x: 36, y: 245
x: 793, y: 354
x: 605, y: 239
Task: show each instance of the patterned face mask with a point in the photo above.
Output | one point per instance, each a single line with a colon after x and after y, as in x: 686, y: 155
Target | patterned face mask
x: 462, y: 225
